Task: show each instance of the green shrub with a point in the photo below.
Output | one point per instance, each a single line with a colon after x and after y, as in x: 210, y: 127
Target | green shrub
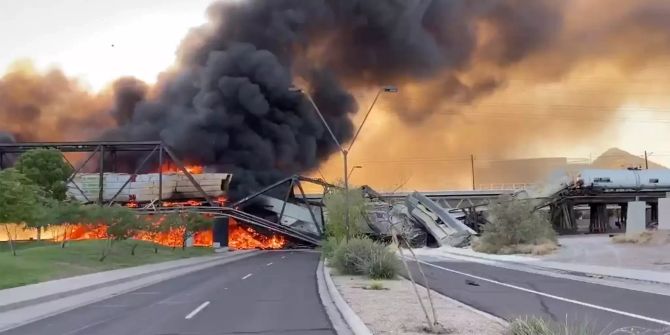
x: 329, y: 246
x: 348, y: 256
x: 538, y: 326
x: 381, y: 263
x: 516, y: 227
x: 362, y: 256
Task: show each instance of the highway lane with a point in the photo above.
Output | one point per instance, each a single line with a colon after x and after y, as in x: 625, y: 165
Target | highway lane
x: 272, y: 293
x: 510, y: 293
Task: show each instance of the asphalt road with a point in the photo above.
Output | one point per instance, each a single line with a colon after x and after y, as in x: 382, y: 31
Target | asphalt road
x: 272, y: 293
x: 510, y: 293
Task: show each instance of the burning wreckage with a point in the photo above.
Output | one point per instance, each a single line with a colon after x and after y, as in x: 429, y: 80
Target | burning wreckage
x: 278, y: 216
x: 272, y: 218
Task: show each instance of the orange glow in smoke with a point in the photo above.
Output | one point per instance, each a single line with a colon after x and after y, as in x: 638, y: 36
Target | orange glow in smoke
x: 242, y: 237
x: 193, y: 169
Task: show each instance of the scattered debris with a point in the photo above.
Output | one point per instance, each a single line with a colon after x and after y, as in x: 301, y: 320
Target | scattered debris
x: 471, y: 282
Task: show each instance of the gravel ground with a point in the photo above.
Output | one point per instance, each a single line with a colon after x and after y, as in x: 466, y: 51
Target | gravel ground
x: 396, y: 310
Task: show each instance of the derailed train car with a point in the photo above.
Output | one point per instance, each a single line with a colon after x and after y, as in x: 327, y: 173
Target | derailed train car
x: 623, y: 179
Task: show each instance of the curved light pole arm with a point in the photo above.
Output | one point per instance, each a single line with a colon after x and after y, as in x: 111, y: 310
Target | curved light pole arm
x: 323, y: 120
x: 353, y: 140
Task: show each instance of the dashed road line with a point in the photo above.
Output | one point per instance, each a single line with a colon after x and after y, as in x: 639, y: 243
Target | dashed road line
x: 197, y: 310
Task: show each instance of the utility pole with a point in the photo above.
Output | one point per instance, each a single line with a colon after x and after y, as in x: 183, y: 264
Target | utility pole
x: 646, y: 162
x: 472, y: 167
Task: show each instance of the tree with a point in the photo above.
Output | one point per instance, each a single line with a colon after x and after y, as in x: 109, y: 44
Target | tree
x: 122, y: 223
x: 154, y: 228
x: 190, y: 224
x: 63, y: 214
x: 20, y: 201
x: 47, y: 169
x: 335, y: 205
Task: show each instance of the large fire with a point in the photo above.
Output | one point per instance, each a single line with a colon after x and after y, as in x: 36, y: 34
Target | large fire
x: 172, y: 238
x: 242, y: 237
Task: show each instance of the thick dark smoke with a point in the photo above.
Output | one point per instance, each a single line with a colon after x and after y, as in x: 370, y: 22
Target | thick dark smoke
x: 238, y: 113
x: 230, y: 105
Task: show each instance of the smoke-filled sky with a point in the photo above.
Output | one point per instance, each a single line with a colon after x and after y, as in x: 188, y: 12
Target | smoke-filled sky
x: 493, y: 78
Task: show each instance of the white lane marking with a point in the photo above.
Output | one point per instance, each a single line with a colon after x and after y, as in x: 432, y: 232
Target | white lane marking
x: 602, y: 308
x: 268, y: 264
x: 282, y: 257
x: 247, y: 276
x: 197, y: 310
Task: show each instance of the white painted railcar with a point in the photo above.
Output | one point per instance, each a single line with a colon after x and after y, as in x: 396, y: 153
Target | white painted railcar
x: 623, y: 179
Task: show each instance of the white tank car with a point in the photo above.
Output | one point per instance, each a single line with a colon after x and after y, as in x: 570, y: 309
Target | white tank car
x: 624, y: 179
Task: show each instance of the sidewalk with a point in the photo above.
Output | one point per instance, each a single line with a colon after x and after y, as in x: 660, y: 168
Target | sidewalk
x: 24, y: 304
x: 571, y: 267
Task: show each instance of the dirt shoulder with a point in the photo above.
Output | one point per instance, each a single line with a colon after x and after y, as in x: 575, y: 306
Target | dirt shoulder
x: 396, y: 310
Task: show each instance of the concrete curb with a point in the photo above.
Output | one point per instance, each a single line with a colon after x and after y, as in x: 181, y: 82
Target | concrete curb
x: 337, y: 321
x: 19, y: 303
x: 356, y: 325
x: 44, y: 309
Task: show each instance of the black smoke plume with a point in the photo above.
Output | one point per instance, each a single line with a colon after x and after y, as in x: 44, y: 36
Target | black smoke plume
x: 231, y: 106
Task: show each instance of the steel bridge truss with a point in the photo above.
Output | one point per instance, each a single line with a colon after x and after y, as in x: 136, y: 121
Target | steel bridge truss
x: 151, y: 149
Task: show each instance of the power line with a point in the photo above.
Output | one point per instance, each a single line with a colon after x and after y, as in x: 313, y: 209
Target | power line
x: 551, y: 117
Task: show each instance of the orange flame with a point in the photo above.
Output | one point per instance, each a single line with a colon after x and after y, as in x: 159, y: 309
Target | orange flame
x: 172, y: 238
x: 182, y: 203
x: 222, y: 200
x: 193, y: 169
x: 241, y: 237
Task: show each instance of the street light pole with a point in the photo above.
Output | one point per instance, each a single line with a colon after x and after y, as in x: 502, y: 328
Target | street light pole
x: 345, y: 152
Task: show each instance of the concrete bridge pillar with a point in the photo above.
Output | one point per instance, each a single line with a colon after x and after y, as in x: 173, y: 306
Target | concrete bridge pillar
x: 220, y: 232
x: 636, y: 217
x: 664, y: 213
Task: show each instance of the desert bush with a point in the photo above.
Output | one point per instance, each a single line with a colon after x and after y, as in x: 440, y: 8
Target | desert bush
x: 538, y: 326
x: 381, y: 263
x: 516, y: 227
x: 362, y: 256
x: 348, y: 255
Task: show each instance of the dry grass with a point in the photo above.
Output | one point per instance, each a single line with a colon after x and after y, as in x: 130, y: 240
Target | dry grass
x: 375, y: 285
x: 538, y: 326
x: 649, y: 237
x: 541, y: 248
